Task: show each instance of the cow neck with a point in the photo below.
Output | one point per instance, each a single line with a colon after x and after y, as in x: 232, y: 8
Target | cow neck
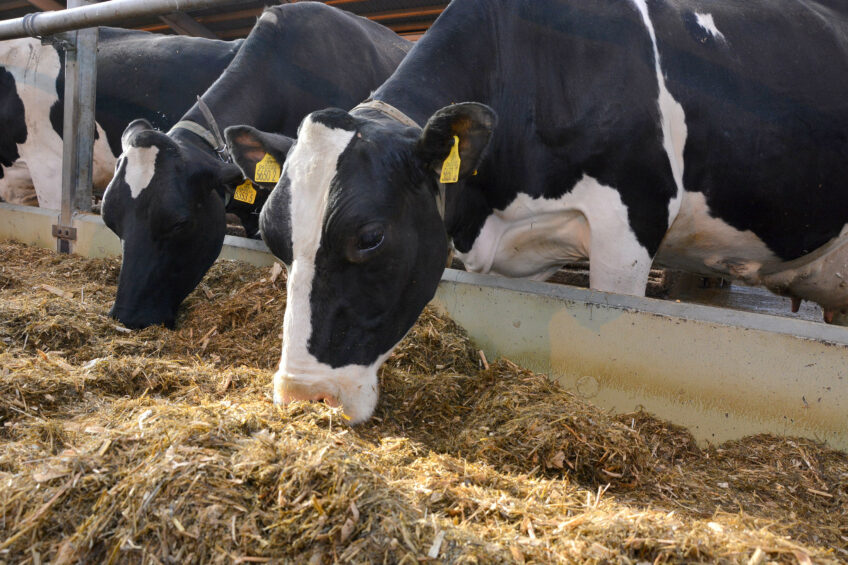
x: 390, y: 111
x: 211, y: 133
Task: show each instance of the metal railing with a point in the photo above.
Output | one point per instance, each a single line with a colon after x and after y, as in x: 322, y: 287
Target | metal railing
x: 40, y: 24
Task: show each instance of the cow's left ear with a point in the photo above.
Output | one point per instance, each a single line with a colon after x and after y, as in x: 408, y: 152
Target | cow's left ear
x: 471, y: 124
x: 131, y: 130
x: 259, y: 154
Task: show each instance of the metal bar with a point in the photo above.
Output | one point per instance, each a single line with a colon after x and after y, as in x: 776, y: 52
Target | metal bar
x: 48, y: 23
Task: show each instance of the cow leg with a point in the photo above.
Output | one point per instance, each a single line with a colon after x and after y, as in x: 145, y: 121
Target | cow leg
x: 16, y: 185
x: 618, y: 262
x: 840, y: 318
x: 618, y: 265
x: 45, y: 165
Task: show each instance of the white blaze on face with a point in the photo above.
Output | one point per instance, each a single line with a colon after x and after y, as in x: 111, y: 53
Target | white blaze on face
x: 708, y: 24
x: 672, y: 116
x: 310, y: 168
x: 141, y: 166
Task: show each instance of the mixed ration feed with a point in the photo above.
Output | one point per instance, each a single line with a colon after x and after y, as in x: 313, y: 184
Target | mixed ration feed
x: 162, y: 446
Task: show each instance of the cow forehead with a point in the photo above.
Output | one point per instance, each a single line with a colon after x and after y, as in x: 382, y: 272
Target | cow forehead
x: 310, y: 168
x: 140, y: 168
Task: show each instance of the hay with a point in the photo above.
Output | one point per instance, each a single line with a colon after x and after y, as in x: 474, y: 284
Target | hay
x: 160, y: 446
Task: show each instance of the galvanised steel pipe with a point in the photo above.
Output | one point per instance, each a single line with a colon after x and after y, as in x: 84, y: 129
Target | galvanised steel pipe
x: 49, y: 23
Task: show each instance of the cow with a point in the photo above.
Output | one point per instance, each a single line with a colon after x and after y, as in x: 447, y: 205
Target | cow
x: 167, y: 199
x: 706, y: 136
x: 139, y: 74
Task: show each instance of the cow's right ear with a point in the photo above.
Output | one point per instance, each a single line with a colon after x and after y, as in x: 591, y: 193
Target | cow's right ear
x: 135, y: 126
x: 259, y: 155
x: 455, y: 139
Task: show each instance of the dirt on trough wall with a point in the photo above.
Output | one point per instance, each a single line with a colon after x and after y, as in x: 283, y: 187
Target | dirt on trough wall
x: 164, y: 446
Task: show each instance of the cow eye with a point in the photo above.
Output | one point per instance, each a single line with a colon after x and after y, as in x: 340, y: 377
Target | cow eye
x: 178, y: 228
x: 370, y: 237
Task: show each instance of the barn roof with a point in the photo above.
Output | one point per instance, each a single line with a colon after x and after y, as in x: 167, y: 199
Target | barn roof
x: 409, y: 18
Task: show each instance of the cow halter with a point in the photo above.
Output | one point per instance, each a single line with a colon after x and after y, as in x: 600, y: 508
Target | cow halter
x: 392, y: 112
x: 213, y: 138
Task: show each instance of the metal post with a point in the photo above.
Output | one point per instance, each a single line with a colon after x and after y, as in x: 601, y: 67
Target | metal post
x: 87, y: 88
x: 77, y: 129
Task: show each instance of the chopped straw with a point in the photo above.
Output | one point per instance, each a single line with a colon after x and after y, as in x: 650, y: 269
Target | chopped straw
x: 164, y: 446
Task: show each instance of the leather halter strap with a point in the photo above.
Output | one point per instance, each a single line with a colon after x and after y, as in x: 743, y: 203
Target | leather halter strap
x: 213, y: 137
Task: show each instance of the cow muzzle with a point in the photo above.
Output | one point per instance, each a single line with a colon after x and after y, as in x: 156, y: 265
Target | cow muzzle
x: 357, y: 399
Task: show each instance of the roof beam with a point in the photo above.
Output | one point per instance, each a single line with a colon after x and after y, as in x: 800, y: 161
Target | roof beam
x: 186, y: 25
x: 46, y: 5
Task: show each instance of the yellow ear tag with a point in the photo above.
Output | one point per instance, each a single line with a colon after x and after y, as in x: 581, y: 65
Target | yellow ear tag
x: 245, y: 192
x: 267, y: 170
x: 450, y: 168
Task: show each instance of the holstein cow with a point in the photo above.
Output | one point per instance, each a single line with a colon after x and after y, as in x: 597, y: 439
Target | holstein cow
x: 167, y: 199
x: 710, y: 136
x: 138, y: 74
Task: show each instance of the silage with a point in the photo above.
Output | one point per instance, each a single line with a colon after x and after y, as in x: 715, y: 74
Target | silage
x: 163, y: 446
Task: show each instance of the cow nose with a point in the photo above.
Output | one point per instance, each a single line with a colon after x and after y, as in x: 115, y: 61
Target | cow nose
x: 325, y: 398
x: 136, y: 321
x: 288, y: 388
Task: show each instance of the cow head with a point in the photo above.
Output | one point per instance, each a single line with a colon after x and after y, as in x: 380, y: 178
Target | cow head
x: 355, y: 219
x: 165, y: 204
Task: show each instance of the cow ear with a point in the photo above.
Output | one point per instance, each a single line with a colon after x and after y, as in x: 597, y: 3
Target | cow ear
x: 250, y: 147
x: 469, y: 123
x: 131, y: 130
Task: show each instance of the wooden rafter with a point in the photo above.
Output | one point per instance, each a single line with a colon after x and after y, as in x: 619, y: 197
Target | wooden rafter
x: 47, y: 5
x: 186, y: 25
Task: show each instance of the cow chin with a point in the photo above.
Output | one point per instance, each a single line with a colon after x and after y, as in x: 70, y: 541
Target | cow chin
x: 354, y: 388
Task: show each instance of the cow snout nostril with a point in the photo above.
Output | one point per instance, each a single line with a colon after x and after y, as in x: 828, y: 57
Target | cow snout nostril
x: 329, y: 401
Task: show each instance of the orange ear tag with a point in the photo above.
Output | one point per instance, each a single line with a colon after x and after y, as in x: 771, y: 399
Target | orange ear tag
x: 450, y: 168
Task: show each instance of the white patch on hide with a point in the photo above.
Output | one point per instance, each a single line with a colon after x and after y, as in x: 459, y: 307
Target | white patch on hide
x: 141, y: 166
x: 16, y: 185
x: 117, y: 171
x: 708, y: 24
x: 700, y: 243
x: 533, y: 237
x: 35, y: 68
x: 104, y: 161
x: 268, y: 17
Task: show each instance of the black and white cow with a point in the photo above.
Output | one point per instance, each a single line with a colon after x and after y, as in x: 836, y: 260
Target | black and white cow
x: 706, y: 135
x: 166, y: 201
x: 138, y: 74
